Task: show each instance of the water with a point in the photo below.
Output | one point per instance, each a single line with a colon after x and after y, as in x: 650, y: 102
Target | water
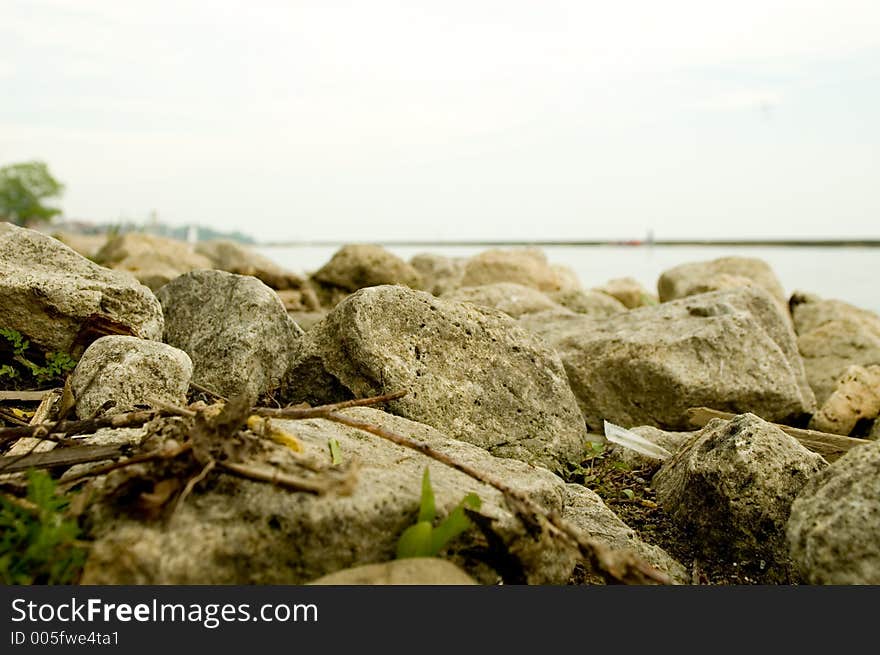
x: 849, y: 274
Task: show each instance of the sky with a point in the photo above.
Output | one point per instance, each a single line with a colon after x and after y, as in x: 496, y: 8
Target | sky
x: 453, y: 120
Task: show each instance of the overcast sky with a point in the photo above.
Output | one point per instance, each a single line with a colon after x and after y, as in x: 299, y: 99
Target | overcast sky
x: 453, y: 120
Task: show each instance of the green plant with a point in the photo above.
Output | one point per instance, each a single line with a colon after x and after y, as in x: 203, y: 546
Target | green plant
x: 424, y: 539
x: 57, y: 364
x: 38, y: 545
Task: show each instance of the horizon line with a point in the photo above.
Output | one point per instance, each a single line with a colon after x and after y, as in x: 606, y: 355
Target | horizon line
x: 823, y: 242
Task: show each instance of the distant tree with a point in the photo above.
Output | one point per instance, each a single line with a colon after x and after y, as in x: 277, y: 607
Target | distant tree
x: 23, y: 187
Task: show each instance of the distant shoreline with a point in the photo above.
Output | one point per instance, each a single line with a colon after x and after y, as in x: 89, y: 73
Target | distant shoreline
x: 796, y: 243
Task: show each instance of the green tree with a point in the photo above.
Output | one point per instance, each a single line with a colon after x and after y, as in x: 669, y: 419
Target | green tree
x: 23, y: 187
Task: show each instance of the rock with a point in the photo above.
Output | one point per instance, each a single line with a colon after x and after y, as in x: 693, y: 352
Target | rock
x: 698, y: 277
x: 299, y: 300
x: 54, y: 296
x: 832, y: 336
x: 87, y: 245
x: 118, y: 373
x: 469, y: 371
x: 355, y: 267
x: 233, y: 327
x: 874, y: 434
x: 629, y: 292
x: 153, y: 260
x: 237, y: 531
x: 410, y: 571
x: 590, y: 302
x: 728, y: 350
x: 233, y: 257
x: 566, y: 277
x: 718, y: 282
x: 527, y: 266
x: 671, y: 441
x: 732, y: 485
x: 585, y: 509
x: 857, y: 397
x: 810, y: 312
x: 834, y: 529
x: 439, y: 274
x: 512, y: 299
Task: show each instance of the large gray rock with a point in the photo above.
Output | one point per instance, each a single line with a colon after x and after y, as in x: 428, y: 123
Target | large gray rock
x: 234, y: 328
x: 152, y: 259
x: 834, y: 529
x: 729, y: 350
x: 118, y: 373
x: 236, y: 531
x: 469, y: 371
x: 512, y: 299
x: 409, y: 571
x: 53, y: 295
x: 719, y: 274
x: 357, y: 266
x: 234, y: 257
x: 732, y: 485
x: 439, y: 274
x: 832, y: 336
x: 527, y: 266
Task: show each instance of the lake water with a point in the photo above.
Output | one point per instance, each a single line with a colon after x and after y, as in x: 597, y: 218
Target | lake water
x: 845, y: 273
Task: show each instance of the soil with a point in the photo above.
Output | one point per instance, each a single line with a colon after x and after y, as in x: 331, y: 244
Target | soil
x: 628, y: 493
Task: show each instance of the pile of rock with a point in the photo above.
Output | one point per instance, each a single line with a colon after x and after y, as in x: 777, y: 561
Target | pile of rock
x: 509, y: 365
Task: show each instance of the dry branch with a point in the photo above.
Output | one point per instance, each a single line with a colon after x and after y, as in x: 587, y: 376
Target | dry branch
x: 274, y: 476
x: 23, y: 396
x: 86, y: 426
x: 297, y: 413
x: 59, y: 457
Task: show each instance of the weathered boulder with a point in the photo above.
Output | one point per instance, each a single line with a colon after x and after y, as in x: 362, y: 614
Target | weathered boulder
x: 699, y: 277
x: 237, y: 531
x: 732, y: 485
x: 469, y: 371
x: 152, y: 259
x: 527, y: 266
x: 628, y: 291
x: 590, y: 302
x: 234, y: 257
x: 118, y: 373
x: 55, y: 296
x: 409, y: 571
x: 233, y: 327
x: 729, y: 350
x: 439, y: 274
x: 512, y: 299
x: 357, y: 266
x: 856, y: 398
x: 834, y: 528
x: 832, y: 336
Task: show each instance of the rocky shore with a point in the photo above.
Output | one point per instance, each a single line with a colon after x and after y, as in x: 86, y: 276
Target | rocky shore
x: 498, y: 374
